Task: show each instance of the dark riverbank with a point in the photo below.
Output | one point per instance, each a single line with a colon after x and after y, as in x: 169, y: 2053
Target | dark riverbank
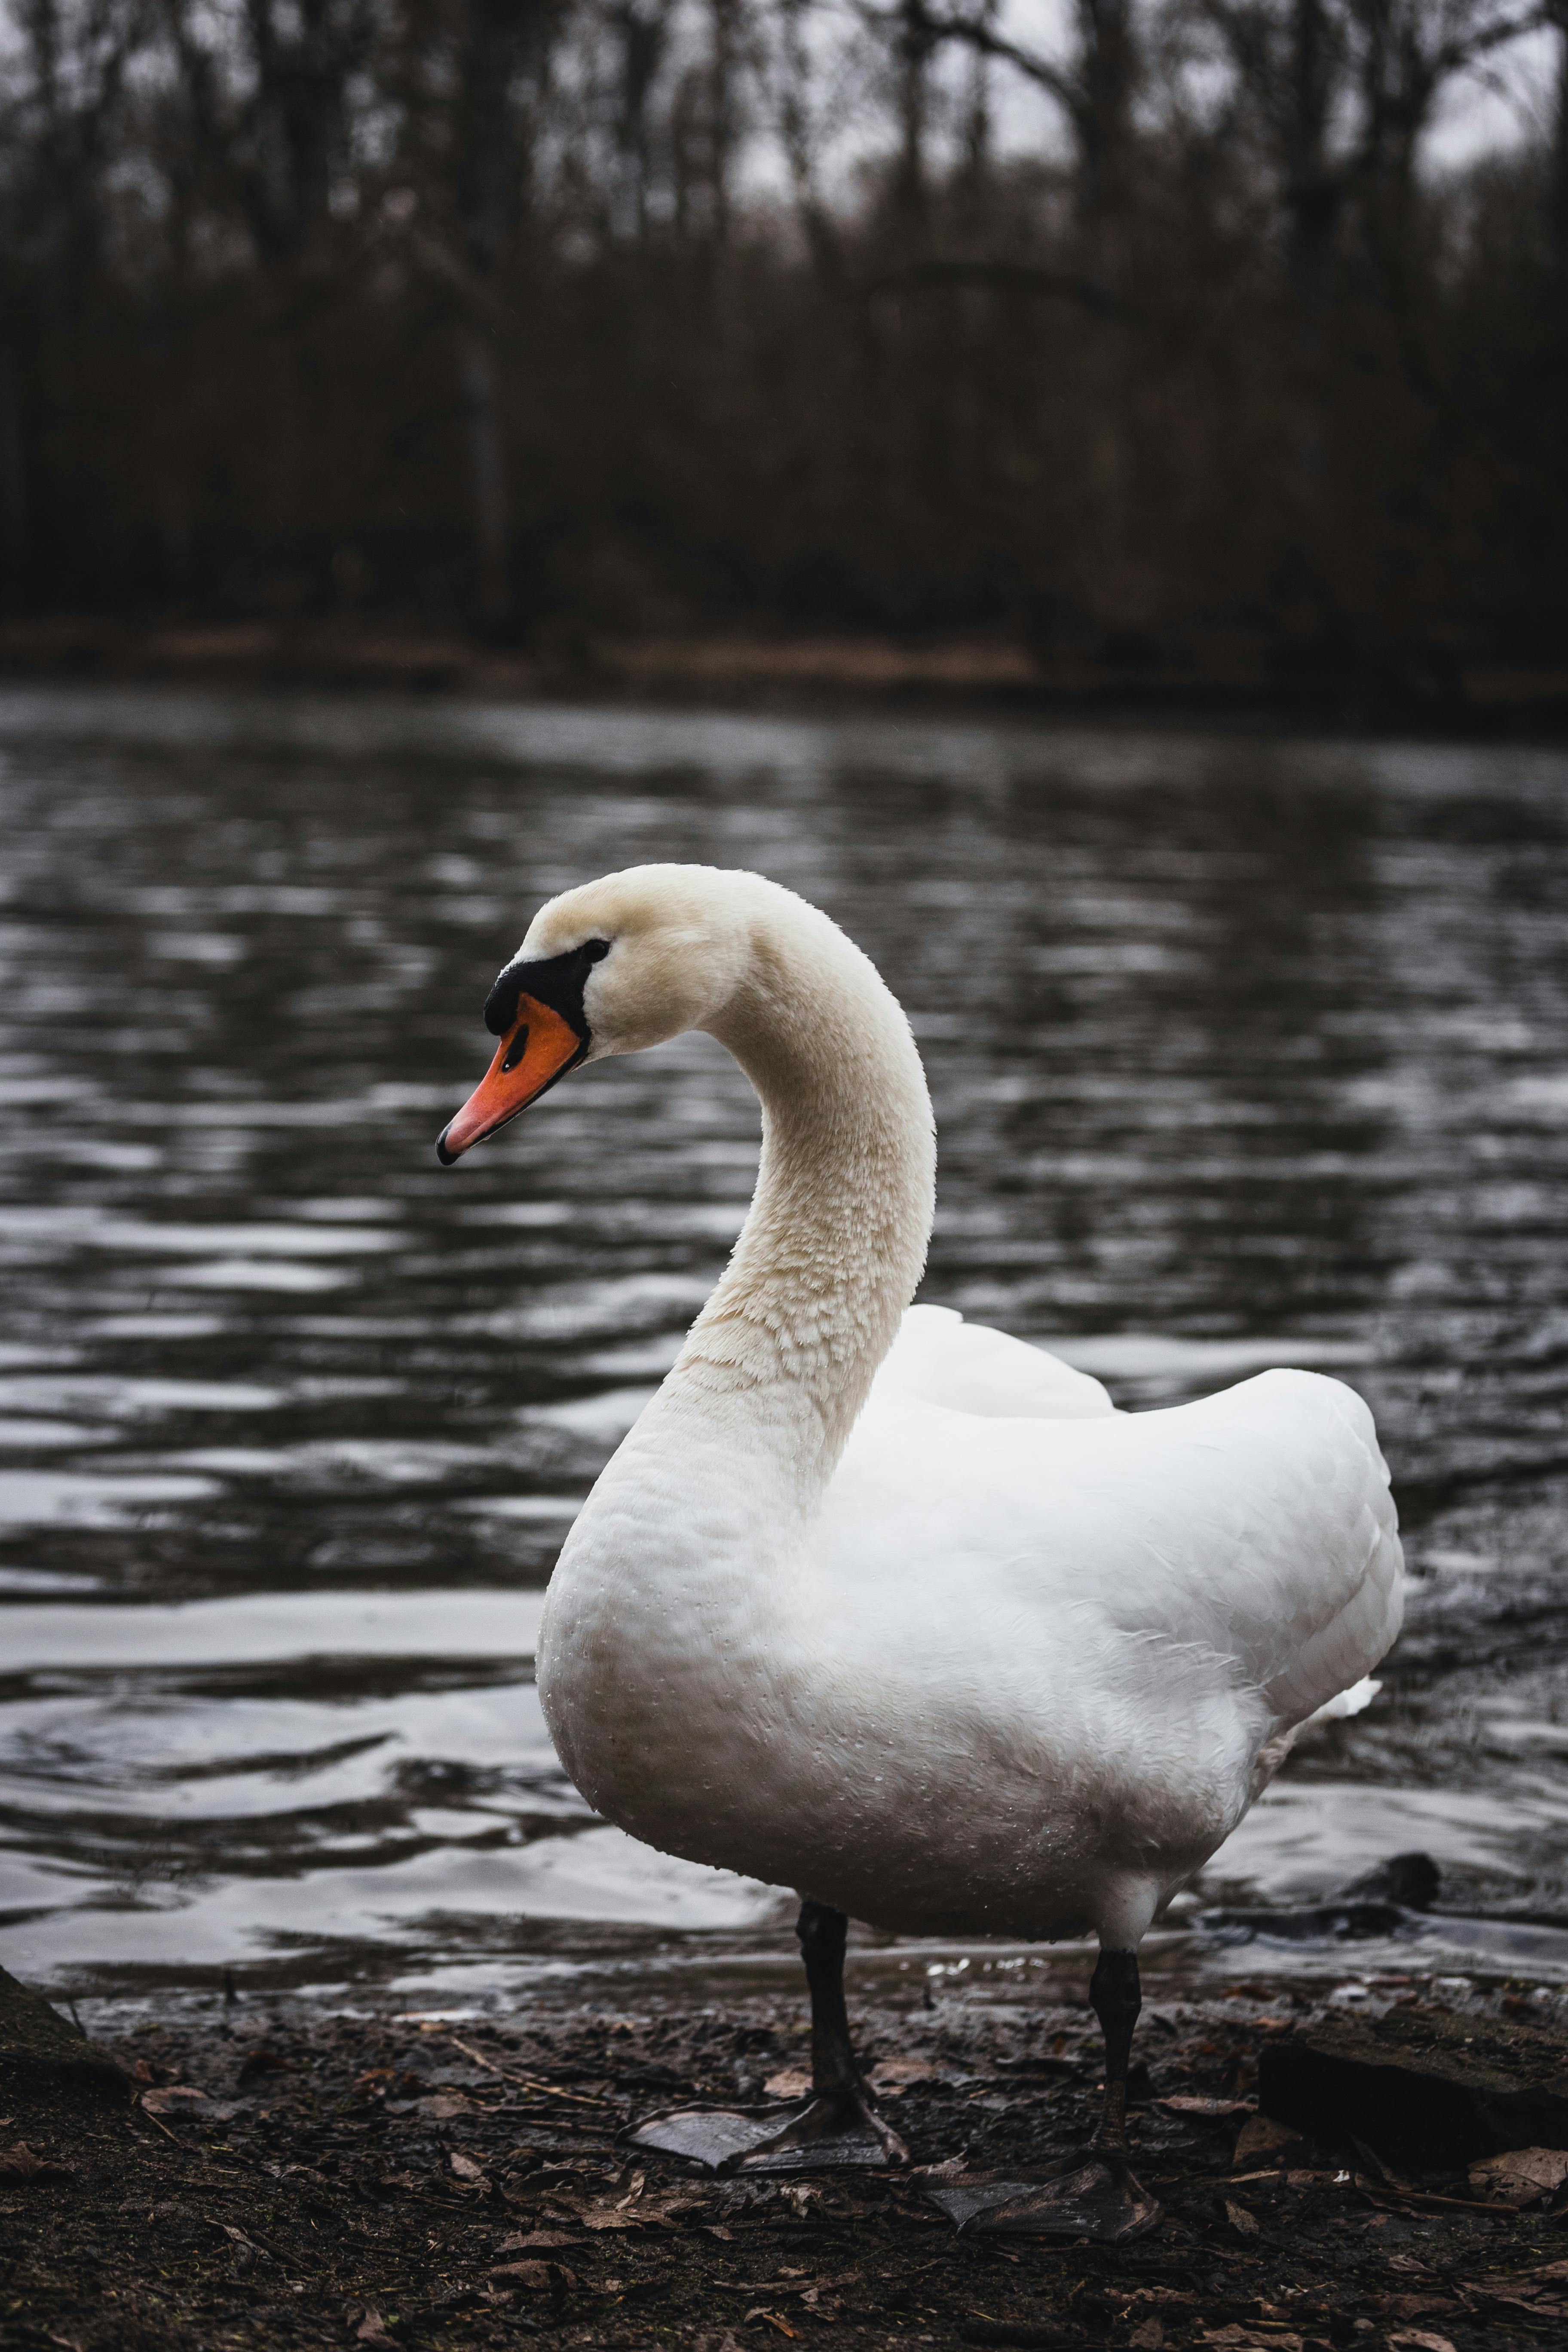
x: 977, y: 673
x: 293, y: 2176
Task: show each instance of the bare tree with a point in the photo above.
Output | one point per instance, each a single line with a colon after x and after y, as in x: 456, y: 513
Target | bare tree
x: 60, y: 123
x: 499, y: 41
x: 1344, y: 91
x: 268, y: 89
x: 641, y: 31
x: 798, y: 114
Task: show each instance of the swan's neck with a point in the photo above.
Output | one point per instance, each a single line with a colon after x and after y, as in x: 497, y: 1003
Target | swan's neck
x: 830, y: 1257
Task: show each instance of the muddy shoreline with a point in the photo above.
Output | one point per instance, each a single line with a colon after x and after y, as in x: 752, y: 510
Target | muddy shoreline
x: 291, y: 2175
x: 977, y: 674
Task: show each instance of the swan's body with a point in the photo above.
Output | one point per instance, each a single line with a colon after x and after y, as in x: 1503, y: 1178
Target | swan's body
x: 1017, y: 1673
x: 897, y: 1610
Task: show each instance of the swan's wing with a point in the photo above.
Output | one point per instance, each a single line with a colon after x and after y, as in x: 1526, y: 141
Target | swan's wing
x: 1314, y: 1569
x: 940, y: 1359
x: 1243, y: 1545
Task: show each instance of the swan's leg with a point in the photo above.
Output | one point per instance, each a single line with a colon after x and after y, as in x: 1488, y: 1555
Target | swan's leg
x: 1116, y: 1997
x: 1099, y: 2198
x: 823, y: 1936
x: 837, y: 2126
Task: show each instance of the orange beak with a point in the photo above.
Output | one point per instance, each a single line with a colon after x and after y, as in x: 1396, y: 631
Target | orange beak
x: 539, y: 1048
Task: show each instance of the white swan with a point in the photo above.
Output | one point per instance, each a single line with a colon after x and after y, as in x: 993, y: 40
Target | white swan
x: 887, y: 1607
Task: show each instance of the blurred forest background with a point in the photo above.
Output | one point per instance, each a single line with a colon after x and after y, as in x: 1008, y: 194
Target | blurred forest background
x: 544, y: 321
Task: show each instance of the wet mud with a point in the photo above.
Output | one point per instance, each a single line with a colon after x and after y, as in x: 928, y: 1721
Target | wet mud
x: 288, y: 2176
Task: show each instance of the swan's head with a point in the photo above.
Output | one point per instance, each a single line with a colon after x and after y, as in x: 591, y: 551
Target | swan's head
x: 610, y: 968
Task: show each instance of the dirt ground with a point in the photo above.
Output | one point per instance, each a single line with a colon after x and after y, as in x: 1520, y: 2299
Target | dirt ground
x: 290, y: 2177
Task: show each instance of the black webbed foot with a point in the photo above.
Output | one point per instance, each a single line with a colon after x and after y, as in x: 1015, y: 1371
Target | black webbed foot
x: 829, y: 2132
x: 1098, y: 2197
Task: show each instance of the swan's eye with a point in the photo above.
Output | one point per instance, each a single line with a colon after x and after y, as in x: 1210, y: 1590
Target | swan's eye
x: 595, y: 949
x: 517, y: 1049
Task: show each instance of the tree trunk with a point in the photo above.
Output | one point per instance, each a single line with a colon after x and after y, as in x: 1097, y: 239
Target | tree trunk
x: 498, y: 38
x: 484, y: 432
x: 795, y: 131
x: 721, y: 104
x: 1557, y: 186
x: 1104, y: 123
x: 910, y: 182
x: 13, y: 561
x: 1311, y: 185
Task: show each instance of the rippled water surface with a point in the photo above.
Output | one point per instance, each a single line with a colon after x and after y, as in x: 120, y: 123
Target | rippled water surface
x: 1242, y: 1054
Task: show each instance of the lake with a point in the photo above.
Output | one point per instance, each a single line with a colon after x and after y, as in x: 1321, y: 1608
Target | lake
x: 1244, y: 1052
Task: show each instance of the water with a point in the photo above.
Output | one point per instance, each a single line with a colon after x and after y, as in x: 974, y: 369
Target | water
x: 1242, y: 1053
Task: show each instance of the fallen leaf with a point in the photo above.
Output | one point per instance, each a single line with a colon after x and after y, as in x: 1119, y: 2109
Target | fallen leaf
x: 20, y: 2162
x: 1149, y: 2337
x: 185, y: 2099
x: 892, y: 2076
x: 372, y: 2329
x: 666, y: 2207
x: 534, y: 2240
x: 261, y: 2062
x: 607, y: 2217
x: 1262, y: 2135
x: 1419, y: 2339
x: 789, y: 2082
x: 715, y: 2343
x: 772, y: 2320
x: 1181, y: 2103
x: 1529, y: 2306
x: 1240, y: 2218
x: 466, y: 2170
x: 540, y: 2276
x: 1521, y: 2176
x: 717, y: 2230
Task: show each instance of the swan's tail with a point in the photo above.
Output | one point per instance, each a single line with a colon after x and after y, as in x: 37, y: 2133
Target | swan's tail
x: 1343, y: 1703
x: 1272, y: 1754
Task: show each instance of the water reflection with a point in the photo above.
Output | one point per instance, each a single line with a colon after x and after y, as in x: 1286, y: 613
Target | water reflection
x: 1241, y: 1054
